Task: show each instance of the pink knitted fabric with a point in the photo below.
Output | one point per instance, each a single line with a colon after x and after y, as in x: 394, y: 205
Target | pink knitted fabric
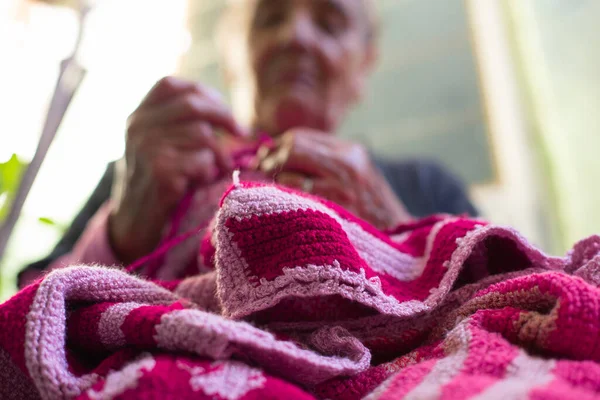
x: 302, y: 300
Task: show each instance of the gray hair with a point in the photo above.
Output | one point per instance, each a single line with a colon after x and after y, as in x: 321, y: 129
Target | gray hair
x: 236, y: 17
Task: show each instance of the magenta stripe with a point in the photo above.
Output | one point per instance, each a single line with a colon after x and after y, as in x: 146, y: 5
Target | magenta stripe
x: 139, y: 326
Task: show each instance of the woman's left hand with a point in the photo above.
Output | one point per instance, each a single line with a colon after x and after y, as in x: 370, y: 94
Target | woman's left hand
x: 335, y: 169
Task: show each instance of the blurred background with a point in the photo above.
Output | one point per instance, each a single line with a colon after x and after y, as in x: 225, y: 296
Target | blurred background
x: 505, y: 93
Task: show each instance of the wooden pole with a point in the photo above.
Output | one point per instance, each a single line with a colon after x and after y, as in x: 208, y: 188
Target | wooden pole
x: 69, y: 79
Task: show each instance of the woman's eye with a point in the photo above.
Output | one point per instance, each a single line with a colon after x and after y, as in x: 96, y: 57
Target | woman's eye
x: 269, y: 19
x: 332, y: 24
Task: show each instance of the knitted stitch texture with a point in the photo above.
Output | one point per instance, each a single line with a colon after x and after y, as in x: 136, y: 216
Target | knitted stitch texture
x: 302, y: 300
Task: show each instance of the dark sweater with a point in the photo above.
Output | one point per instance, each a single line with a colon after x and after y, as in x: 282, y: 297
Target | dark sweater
x: 424, y: 187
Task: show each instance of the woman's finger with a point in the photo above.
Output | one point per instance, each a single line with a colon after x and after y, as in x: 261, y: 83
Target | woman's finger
x: 188, y: 106
x: 292, y: 180
x: 165, y: 88
x: 199, y: 166
x: 323, y: 187
x: 222, y: 158
x: 190, y: 135
x: 198, y: 136
x: 294, y: 154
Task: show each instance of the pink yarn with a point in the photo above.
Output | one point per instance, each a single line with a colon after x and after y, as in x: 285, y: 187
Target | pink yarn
x: 242, y: 160
x: 305, y: 301
x: 160, y: 251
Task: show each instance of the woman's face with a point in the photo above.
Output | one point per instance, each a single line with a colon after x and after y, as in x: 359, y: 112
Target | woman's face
x: 309, y: 60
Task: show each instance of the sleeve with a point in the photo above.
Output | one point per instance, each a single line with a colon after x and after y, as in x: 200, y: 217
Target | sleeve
x: 426, y: 187
x: 66, y: 244
x: 449, y: 193
x: 93, y: 247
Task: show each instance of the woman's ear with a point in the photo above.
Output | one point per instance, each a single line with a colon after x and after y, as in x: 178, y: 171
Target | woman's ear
x: 371, y: 57
x: 366, y: 67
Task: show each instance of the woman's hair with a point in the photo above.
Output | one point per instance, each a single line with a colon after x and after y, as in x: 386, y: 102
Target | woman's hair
x: 373, y: 23
x: 236, y: 20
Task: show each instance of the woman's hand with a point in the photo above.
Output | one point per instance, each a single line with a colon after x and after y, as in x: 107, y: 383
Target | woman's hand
x: 170, y: 145
x: 335, y: 169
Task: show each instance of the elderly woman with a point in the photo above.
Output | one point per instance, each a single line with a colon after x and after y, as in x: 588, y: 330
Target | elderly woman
x: 305, y: 63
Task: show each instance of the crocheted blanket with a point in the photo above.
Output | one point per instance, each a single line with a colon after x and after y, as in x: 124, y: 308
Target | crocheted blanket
x: 306, y: 301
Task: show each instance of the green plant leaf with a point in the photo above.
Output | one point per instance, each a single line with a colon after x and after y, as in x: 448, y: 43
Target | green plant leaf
x: 10, y: 176
x: 59, y: 227
x: 47, y: 221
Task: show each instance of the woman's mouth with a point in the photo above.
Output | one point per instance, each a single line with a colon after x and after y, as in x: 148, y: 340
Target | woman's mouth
x: 295, y: 79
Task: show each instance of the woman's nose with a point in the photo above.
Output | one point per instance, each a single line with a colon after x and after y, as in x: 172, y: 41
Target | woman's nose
x: 299, y: 31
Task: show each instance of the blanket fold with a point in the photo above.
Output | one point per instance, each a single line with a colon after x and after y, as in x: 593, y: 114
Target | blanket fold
x: 305, y: 301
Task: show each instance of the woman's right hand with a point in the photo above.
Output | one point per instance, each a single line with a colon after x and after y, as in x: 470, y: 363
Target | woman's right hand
x: 170, y: 145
